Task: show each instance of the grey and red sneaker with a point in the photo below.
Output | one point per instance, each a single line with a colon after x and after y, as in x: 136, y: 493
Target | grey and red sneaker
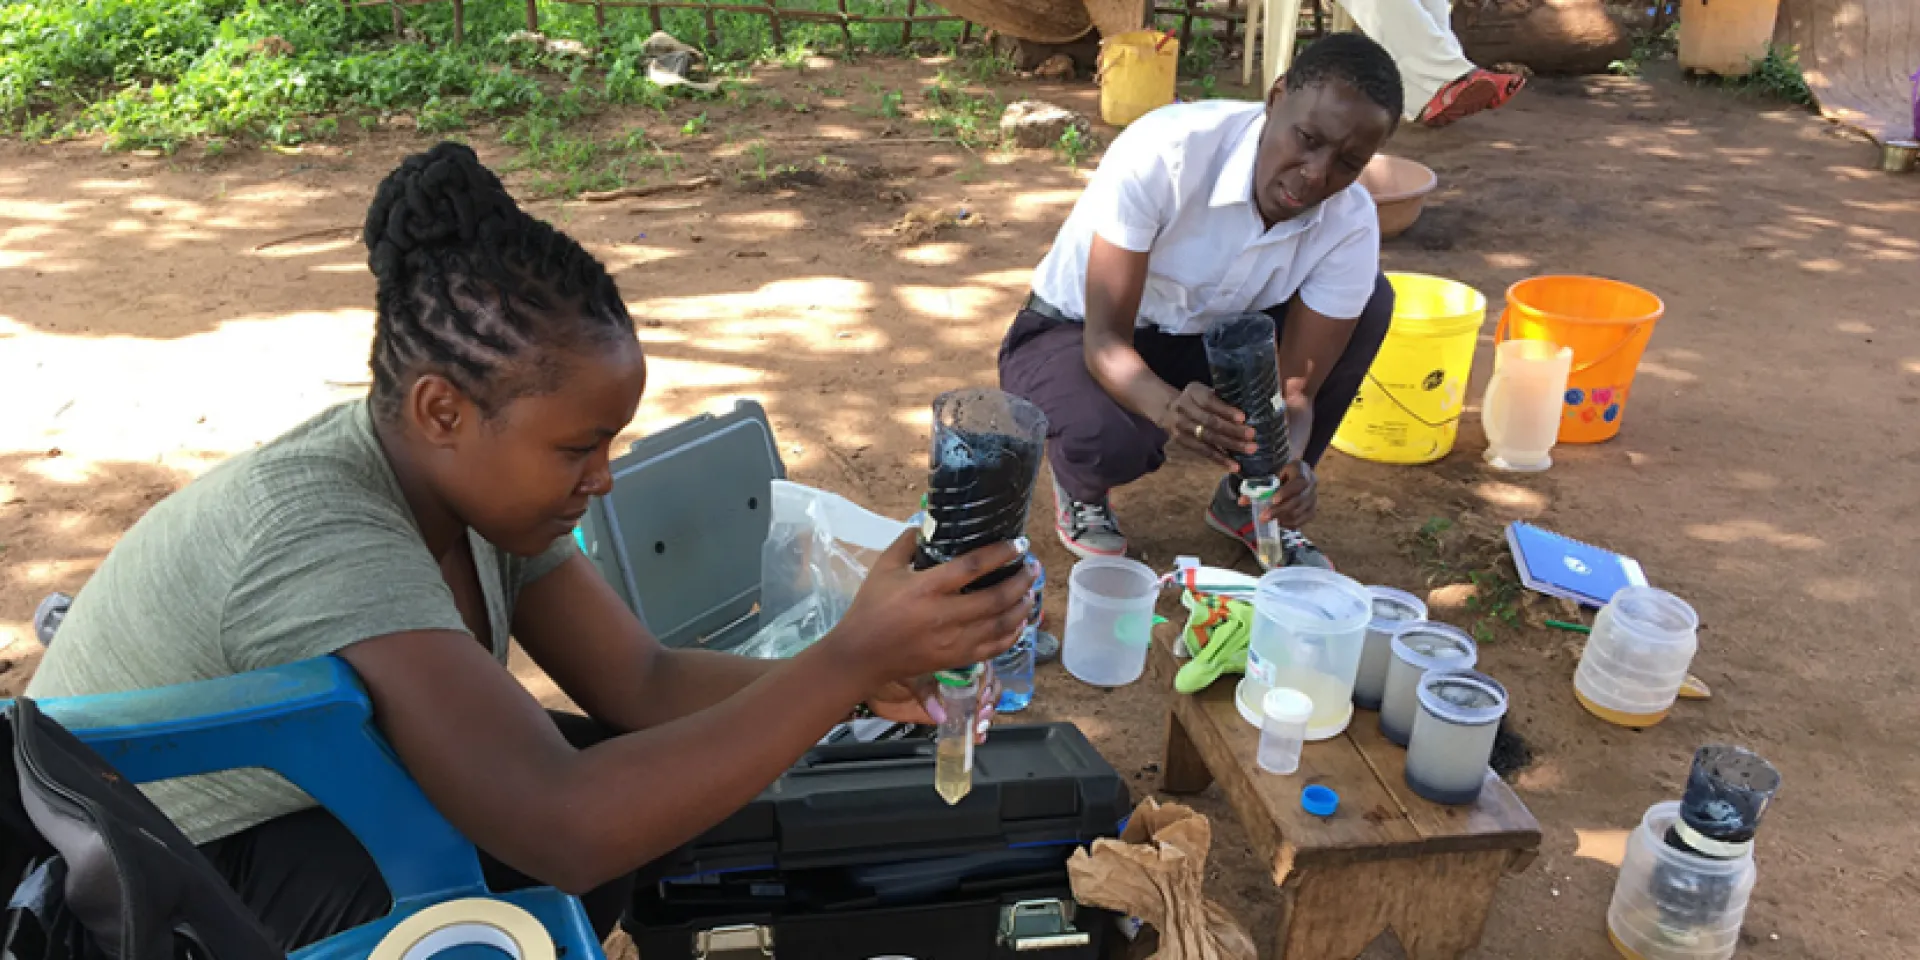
x: 1226, y: 515
x: 1087, y: 528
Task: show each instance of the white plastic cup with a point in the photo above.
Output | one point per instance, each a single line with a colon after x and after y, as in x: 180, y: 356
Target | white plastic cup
x: 1418, y: 647
x: 1671, y: 904
x: 1637, y: 657
x: 1391, y: 608
x: 1109, y: 620
x: 1283, y: 729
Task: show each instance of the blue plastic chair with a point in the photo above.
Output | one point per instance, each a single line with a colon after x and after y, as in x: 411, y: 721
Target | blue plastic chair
x: 311, y: 722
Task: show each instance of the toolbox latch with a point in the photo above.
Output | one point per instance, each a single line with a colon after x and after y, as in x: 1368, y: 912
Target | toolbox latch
x: 1030, y: 925
x: 745, y: 942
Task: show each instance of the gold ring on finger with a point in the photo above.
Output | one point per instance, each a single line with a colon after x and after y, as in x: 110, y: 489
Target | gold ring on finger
x: 1199, y: 431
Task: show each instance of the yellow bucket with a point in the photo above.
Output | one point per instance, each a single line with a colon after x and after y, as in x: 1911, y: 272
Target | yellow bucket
x: 1408, y: 409
x: 1136, y: 74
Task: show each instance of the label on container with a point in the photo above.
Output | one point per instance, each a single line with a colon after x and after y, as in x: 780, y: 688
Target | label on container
x: 1261, y: 670
x: 966, y: 763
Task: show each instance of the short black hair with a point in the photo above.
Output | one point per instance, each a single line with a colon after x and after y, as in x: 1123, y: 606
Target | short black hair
x: 474, y: 289
x: 1356, y: 60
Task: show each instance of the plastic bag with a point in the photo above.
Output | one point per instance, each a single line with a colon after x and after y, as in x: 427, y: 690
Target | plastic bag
x: 817, y: 552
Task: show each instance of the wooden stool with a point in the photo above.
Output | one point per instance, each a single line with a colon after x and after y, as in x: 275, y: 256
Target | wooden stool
x: 1386, y: 860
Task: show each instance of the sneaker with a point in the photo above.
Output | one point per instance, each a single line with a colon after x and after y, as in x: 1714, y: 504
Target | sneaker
x: 1088, y: 528
x: 48, y: 616
x: 1226, y: 515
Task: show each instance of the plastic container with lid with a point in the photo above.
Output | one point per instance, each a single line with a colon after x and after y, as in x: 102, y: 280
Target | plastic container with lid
x: 1671, y: 904
x: 1391, y: 608
x: 1453, y: 733
x: 1309, y: 627
x: 1283, y: 729
x: 1637, y: 657
x: 1109, y: 620
x: 1418, y: 647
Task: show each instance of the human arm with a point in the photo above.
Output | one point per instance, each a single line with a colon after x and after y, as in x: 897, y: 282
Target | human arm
x: 1116, y: 278
x: 492, y: 762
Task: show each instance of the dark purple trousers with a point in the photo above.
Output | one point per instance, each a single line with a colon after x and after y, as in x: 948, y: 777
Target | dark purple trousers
x: 1094, y: 444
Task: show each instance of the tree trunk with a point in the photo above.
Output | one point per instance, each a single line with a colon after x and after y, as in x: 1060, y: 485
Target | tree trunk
x: 1550, y: 36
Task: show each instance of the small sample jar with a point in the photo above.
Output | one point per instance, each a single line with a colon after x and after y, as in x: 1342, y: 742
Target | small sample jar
x: 1637, y: 657
x: 1283, y: 729
x: 1418, y: 647
x: 1453, y: 733
x: 1391, y: 608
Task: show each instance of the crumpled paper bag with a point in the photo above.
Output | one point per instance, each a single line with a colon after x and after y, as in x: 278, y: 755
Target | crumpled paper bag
x: 1155, y: 872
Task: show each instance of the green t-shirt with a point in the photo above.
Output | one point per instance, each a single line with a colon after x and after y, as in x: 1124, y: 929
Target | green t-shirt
x: 287, y: 552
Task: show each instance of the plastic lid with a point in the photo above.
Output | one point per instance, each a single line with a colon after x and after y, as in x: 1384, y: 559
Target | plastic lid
x: 1391, y: 606
x: 1465, y: 697
x: 1653, y: 610
x: 1313, y: 600
x: 1287, y: 705
x: 1319, y: 801
x: 1430, y: 645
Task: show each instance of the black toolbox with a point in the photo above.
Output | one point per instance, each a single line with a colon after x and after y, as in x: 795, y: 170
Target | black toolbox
x: 852, y: 855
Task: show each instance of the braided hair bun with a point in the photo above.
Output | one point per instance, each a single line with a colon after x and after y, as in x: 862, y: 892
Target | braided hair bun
x: 474, y: 289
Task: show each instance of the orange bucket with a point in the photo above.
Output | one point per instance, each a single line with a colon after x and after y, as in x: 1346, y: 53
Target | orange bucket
x: 1607, y: 323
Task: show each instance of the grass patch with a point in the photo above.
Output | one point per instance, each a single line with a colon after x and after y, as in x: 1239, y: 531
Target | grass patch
x: 1471, y: 553
x: 1776, y: 76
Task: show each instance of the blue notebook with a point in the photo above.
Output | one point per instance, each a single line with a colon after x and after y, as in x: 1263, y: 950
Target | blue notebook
x: 1563, y: 567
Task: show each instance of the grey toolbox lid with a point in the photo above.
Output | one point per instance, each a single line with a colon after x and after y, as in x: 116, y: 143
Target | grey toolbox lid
x: 679, y: 536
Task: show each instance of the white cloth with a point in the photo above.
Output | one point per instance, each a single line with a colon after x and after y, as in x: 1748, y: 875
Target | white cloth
x: 1178, y: 184
x: 1419, y: 35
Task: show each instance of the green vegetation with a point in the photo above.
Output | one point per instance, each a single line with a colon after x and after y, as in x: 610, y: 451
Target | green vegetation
x: 1777, y: 76
x: 970, y: 118
x: 1472, y: 551
x: 1074, y: 146
x: 164, y: 73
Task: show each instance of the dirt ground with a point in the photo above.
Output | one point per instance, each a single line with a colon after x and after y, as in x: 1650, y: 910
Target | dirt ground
x: 150, y: 326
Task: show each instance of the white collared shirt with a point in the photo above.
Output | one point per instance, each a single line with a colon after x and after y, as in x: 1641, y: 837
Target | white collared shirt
x: 1178, y: 183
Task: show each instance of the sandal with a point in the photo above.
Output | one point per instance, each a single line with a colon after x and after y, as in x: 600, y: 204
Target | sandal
x: 1477, y: 91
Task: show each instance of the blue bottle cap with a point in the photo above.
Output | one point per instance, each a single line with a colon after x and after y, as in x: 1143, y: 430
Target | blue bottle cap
x: 1319, y: 801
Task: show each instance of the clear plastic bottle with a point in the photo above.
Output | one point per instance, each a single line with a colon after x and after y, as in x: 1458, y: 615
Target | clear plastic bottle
x: 953, y: 743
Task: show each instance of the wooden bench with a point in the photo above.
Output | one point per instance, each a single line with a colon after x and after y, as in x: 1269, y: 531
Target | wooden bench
x: 1386, y: 860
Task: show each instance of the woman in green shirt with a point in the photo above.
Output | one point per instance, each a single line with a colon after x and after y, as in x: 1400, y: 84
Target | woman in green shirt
x: 413, y: 532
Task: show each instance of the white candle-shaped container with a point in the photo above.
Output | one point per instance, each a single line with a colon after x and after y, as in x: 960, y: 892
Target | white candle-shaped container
x: 1391, y: 608
x: 1671, y: 904
x: 1522, y: 408
x: 1418, y: 647
x: 1453, y: 733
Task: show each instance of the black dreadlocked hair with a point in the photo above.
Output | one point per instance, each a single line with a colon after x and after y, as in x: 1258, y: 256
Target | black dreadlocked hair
x: 1355, y: 59
x: 469, y: 283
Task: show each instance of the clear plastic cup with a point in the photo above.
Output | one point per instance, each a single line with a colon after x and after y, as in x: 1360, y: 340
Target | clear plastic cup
x: 1418, y: 647
x: 1109, y: 620
x: 1637, y: 657
x: 1671, y: 904
x: 1453, y: 734
x: 1391, y: 608
x: 1283, y: 729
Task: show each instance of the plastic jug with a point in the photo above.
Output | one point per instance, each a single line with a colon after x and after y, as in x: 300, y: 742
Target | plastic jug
x: 1671, y: 904
x: 1637, y: 657
x: 1109, y: 620
x: 1309, y: 628
x: 1521, y: 411
x: 1136, y: 74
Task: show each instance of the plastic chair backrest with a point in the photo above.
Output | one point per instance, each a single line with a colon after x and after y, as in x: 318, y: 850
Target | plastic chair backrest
x: 311, y: 722
x: 679, y: 536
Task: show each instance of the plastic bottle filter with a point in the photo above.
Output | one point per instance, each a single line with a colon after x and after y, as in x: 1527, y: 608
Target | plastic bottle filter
x: 1522, y: 407
x: 984, y: 458
x: 1245, y: 365
x: 1453, y: 733
x: 1109, y: 620
x: 1637, y: 657
x: 1391, y: 608
x: 1309, y: 628
x: 1418, y: 647
x: 1283, y: 729
x: 1671, y: 904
